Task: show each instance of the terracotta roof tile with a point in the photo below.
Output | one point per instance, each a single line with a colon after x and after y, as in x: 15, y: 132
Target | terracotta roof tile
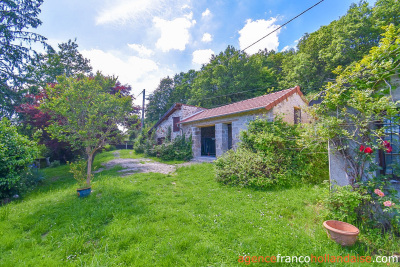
x: 265, y: 101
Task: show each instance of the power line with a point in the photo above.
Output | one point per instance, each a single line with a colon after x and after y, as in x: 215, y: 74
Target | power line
x: 284, y: 24
x: 259, y: 41
x: 262, y: 39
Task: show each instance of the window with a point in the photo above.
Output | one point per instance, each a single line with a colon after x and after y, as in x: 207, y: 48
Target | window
x: 392, y: 133
x: 160, y: 140
x: 176, y: 126
x: 297, y: 115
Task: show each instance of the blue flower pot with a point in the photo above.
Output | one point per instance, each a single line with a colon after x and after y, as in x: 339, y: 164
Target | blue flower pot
x: 84, y: 192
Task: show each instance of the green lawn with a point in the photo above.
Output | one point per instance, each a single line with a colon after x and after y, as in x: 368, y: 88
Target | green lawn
x: 185, y: 219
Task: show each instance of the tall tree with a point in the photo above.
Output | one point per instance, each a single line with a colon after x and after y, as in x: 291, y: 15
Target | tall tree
x: 229, y: 77
x: 84, y: 113
x: 16, y: 17
x: 68, y: 61
x: 340, y: 43
x: 159, y: 101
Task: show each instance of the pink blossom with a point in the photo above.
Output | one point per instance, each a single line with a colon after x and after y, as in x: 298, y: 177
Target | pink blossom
x: 379, y: 192
x: 388, y: 203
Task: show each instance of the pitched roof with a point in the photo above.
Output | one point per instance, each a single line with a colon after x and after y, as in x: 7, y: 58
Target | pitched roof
x: 261, y: 102
x: 172, y: 109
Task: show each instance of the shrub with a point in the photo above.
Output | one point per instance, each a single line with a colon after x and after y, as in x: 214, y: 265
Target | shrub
x: 245, y: 168
x: 371, y: 203
x: 344, y: 204
x: 16, y: 153
x: 178, y: 149
x: 54, y: 164
x: 269, y: 154
x: 79, y: 170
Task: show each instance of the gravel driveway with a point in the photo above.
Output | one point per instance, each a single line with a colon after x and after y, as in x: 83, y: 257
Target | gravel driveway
x: 131, y: 166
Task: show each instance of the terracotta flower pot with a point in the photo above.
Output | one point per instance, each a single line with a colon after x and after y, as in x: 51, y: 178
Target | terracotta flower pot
x: 343, y: 233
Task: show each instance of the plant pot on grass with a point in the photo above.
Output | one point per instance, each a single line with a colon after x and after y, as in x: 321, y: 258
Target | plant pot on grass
x: 343, y: 233
x: 84, y: 192
x: 79, y: 170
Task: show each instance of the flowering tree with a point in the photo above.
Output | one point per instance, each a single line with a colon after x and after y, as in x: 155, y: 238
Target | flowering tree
x: 355, y: 106
x: 84, y: 113
x: 351, y: 116
x: 37, y: 119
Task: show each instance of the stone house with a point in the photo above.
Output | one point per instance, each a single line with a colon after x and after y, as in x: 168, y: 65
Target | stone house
x: 216, y: 130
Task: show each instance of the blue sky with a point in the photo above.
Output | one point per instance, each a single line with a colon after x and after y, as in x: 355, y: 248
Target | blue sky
x: 142, y: 41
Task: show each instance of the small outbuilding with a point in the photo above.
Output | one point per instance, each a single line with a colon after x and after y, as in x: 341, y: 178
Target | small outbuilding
x: 216, y: 130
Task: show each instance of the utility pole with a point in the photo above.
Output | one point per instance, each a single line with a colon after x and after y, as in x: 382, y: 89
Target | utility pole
x: 144, y: 99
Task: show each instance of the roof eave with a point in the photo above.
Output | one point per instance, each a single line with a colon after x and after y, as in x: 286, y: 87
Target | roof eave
x: 223, y: 115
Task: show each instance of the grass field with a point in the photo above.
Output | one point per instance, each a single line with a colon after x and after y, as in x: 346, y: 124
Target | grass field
x: 184, y: 219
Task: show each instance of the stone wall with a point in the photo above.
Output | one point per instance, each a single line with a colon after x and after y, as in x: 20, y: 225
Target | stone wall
x: 183, y: 112
x: 238, y: 123
x: 286, y: 109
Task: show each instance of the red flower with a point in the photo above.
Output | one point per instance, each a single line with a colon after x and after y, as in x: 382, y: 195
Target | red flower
x: 386, y: 143
x: 368, y: 150
x: 388, y: 146
x: 362, y: 148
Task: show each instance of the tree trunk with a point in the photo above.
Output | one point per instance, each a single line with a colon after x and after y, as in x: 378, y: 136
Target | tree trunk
x: 89, y: 169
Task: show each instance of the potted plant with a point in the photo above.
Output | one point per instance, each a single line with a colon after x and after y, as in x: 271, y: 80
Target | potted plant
x: 78, y: 169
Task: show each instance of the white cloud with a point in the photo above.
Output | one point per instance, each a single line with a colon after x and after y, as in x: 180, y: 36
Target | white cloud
x: 124, y: 11
x: 292, y: 46
x: 189, y: 16
x: 142, y: 50
x: 254, y: 30
x: 174, y: 33
x: 138, y: 72
x: 206, y: 13
x: 206, y: 38
x: 202, y: 56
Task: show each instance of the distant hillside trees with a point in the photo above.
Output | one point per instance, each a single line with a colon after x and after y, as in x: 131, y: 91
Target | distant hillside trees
x: 233, y: 75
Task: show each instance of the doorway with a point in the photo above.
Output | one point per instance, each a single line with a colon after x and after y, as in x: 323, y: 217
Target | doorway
x: 208, y: 141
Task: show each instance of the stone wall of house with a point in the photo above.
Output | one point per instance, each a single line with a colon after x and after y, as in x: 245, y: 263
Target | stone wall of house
x: 183, y: 112
x: 286, y: 109
x: 238, y: 123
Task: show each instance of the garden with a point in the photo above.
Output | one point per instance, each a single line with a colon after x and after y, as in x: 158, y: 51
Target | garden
x: 184, y: 218
x: 267, y: 198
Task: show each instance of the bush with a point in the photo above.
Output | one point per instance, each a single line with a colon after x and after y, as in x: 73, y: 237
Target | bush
x: 16, y: 153
x: 245, y: 168
x: 344, y: 204
x: 54, y: 164
x: 178, y: 149
x: 79, y: 170
x: 371, y: 203
x: 269, y: 155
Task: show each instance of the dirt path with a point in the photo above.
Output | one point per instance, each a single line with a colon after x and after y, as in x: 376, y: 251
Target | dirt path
x: 143, y: 165
x: 131, y: 166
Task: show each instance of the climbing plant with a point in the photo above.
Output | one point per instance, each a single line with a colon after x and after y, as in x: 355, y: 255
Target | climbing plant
x: 355, y: 106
